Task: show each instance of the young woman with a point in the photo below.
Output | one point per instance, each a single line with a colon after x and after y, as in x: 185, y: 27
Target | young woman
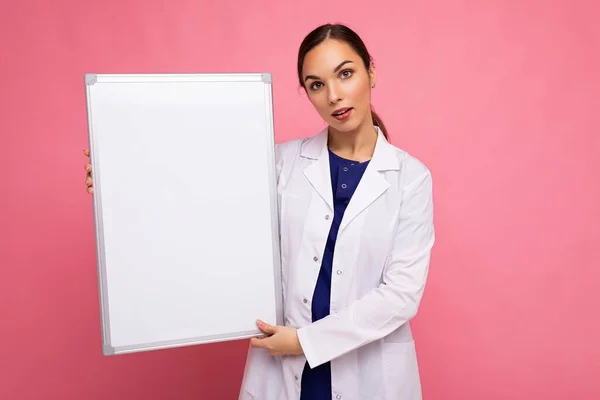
x: 356, y: 220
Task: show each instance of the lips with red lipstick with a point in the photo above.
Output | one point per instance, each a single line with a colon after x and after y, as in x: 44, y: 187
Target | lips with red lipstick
x: 342, y: 113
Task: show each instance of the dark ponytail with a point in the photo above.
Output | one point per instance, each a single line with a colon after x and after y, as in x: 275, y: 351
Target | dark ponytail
x: 379, y: 123
x: 343, y: 34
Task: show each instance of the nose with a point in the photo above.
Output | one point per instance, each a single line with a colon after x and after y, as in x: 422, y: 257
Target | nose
x: 333, y: 94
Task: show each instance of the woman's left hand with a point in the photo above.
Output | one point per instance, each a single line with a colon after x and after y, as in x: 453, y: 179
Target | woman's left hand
x: 280, y: 340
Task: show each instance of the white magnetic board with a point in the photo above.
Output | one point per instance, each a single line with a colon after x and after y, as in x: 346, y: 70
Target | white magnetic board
x: 185, y: 207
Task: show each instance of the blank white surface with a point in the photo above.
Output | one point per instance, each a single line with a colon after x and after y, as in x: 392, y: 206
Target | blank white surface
x: 184, y: 207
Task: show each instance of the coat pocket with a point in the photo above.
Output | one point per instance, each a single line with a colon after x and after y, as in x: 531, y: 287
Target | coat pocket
x: 401, y: 371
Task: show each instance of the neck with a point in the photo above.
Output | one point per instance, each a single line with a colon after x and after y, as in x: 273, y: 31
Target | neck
x: 357, y: 145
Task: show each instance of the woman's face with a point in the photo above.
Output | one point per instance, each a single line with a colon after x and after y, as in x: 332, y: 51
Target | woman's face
x: 336, y: 81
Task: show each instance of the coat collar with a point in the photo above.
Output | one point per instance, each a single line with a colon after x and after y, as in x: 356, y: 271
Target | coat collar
x: 384, y: 157
x: 372, y: 185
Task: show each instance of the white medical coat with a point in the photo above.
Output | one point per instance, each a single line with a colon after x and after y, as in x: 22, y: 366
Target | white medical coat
x: 380, y: 266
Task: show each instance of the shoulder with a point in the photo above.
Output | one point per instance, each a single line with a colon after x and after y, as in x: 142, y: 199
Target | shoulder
x: 414, y: 172
x: 286, y: 154
x: 286, y: 145
x: 288, y: 148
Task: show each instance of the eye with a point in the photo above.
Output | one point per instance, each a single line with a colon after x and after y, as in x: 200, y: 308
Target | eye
x: 315, y: 86
x: 347, y: 73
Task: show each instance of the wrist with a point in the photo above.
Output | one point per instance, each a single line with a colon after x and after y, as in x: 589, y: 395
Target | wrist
x: 298, y: 343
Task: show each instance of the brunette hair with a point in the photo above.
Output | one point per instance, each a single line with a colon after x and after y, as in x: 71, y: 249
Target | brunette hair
x: 343, y: 34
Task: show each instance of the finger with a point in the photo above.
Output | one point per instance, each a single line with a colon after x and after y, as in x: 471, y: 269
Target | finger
x: 263, y: 344
x: 90, y: 190
x: 89, y: 182
x: 88, y: 167
x: 258, y: 343
x: 266, y: 328
x: 86, y: 152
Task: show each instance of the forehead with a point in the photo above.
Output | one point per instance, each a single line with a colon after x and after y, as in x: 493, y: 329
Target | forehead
x: 325, y: 57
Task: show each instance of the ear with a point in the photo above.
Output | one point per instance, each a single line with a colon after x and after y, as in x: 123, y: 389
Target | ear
x: 372, y: 73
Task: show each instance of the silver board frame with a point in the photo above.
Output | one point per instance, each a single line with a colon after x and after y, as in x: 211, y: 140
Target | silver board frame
x: 92, y: 83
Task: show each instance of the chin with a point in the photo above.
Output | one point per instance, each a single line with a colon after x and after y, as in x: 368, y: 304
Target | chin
x: 346, y: 126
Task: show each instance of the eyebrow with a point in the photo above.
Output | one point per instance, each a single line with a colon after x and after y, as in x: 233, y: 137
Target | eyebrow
x: 335, y: 70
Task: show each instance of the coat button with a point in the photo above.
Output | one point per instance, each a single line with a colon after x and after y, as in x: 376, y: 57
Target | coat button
x: 327, y: 216
x: 315, y: 258
x: 339, y: 272
x: 304, y: 301
x: 338, y: 396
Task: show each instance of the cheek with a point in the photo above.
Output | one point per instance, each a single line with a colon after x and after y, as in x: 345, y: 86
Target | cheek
x: 358, y: 91
x: 320, y: 103
x: 365, y: 91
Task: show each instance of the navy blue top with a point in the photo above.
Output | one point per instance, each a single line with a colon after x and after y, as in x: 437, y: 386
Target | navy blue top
x: 345, y: 176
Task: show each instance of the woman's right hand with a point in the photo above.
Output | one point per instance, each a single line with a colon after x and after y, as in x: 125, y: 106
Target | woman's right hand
x: 88, y: 168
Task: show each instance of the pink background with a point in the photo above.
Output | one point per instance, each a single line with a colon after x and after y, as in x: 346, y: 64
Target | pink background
x: 499, y: 98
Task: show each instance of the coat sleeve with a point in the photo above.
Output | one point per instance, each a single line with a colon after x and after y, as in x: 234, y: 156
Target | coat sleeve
x: 396, y: 300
